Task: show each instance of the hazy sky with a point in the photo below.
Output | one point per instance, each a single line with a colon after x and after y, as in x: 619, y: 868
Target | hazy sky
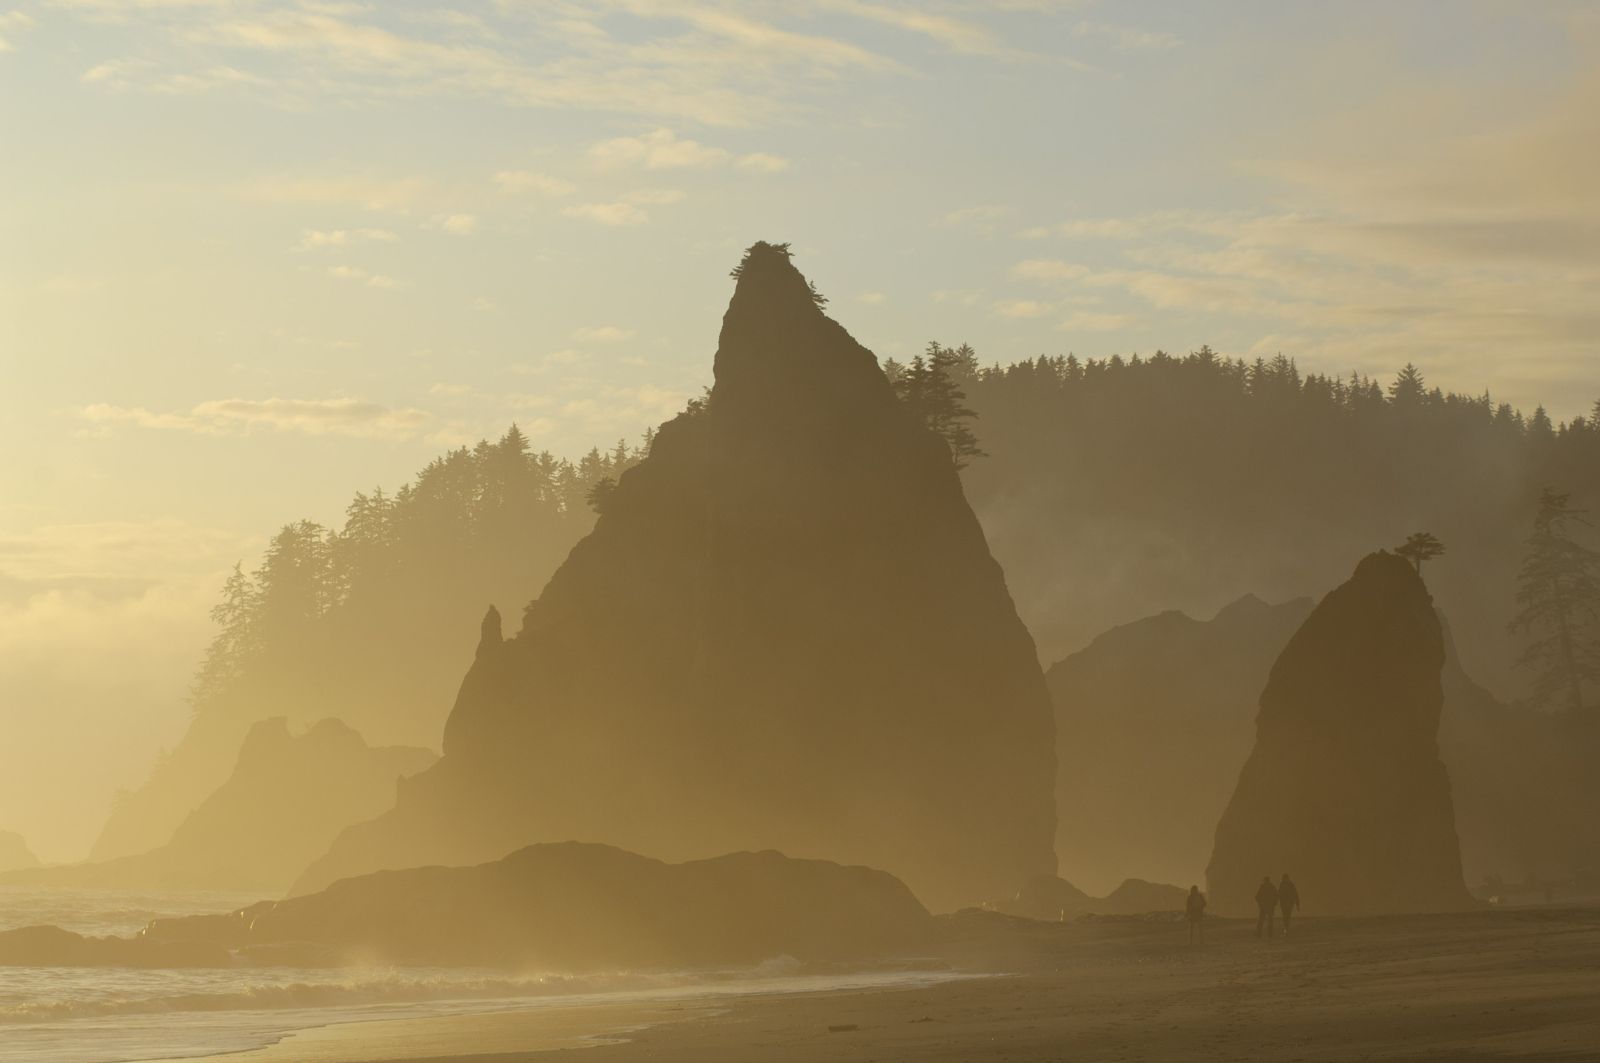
x: 255, y: 256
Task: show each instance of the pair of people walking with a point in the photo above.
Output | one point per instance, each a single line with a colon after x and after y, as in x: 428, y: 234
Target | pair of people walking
x: 1270, y: 899
x: 1284, y: 897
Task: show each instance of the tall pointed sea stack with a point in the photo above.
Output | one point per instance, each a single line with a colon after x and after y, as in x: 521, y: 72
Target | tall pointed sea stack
x: 1344, y: 789
x: 785, y: 631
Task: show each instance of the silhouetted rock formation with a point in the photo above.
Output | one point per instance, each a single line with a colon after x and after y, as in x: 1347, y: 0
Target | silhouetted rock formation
x: 566, y: 906
x: 1515, y: 783
x: 785, y: 630
x: 1155, y: 718
x: 14, y: 852
x: 1344, y: 788
x: 1153, y: 721
x: 50, y: 946
x: 1051, y: 899
x: 285, y: 801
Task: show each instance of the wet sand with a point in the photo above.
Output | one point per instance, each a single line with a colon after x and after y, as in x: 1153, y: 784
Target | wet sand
x: 1494, y: 985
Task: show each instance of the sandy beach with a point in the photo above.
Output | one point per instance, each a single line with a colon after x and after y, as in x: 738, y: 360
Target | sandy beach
x: 1518, y: 985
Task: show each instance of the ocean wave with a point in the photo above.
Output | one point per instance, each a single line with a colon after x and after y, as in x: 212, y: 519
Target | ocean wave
x: 386, y: 988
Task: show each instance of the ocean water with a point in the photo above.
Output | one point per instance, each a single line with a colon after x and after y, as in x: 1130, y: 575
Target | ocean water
x: 110, y: 1015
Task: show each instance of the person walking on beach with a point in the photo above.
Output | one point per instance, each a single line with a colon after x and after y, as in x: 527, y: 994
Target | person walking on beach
x: 1288, y: 900
x: 1266, y: 901
x: 1195, y: 911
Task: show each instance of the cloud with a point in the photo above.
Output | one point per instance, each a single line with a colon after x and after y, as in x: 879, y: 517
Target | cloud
x: 658, y: 150
x: 872, y: 298
x: 450, y: 390
x: 1048, y: 270
x: 1103, y: 228
x: 323, y: 239
x: 361, y: 276
x: 608, y: 213
x: 602, y: 333
x: 1087, y: 321
x: 456, y: 224
x: 762, y: 162
x: 11, y: 22
x: 131, y: 597
x: 341, y: 417
x: 1020, y: 308
x: 705, y: 62
x: 123, y: 75
x: 515, y: 182
x: 955, y: 34
x: 1127, y: 38
x: 662, y: 149
x: 655, y: 196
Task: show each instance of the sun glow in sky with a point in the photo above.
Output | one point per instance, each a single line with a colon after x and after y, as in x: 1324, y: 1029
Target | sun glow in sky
x: 256, y: 256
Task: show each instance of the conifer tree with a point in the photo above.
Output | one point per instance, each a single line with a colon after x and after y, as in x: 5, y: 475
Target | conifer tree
x: 1408, y: 389
x: 1420, y: 547
x: 1559, y: 596
x: 929, y: 387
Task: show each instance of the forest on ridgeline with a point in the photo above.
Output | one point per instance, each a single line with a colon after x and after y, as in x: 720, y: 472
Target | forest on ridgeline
x: 1109, y: 489
x: 372, y: 622
x: 1118, y: 488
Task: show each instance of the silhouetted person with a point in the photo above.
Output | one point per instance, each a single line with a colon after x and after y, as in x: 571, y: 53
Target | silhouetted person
x: 1266, y: 901
x: 1195, y: 910
x: 1288, y: 900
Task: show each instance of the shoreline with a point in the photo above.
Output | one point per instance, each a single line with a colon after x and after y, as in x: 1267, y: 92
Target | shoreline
x: 520, y: 1026
x: 1516, y: 987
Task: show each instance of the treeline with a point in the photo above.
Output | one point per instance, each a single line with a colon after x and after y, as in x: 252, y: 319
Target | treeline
x: 479, y: 524
x: 372, y: 622
x: 1119, y: 487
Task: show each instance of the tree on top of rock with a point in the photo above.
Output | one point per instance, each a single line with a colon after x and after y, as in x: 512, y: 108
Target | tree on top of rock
x: 1559, y: 595
x: 929, y: 387
x: 1420, y: 547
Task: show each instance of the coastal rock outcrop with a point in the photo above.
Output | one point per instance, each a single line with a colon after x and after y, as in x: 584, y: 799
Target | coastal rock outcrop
x: 14, y: 852
x: 785, y: 630
x: 287, y: 798
x: 1055, y: 899
x: 1153, y: 721
x: 560, y: 907
x: 1344, y: 788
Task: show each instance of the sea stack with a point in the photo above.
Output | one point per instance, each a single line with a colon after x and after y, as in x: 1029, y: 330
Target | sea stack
x: 785, y: 631
x: 1153, y: 721
x: 1344, y: 789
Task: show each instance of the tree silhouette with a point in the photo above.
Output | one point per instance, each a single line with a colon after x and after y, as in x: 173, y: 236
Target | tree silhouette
x: 599, y: 493
x: 1408, y: 388
x: 1559, y: 595
x: 1420, y: 547
x: 929, y: 387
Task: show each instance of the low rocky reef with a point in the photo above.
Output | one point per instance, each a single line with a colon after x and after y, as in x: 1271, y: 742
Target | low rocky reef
x: 566, y: 906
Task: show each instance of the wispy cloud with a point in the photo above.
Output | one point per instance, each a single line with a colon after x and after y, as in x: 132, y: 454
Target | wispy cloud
x: 602, y: 333
x: 327, y: 239
x: 957, y: 35
x: 10, y: 23
x: 455, y: 224
x: 705, y: 62
x: 342, y: 417
x: 1048, y: 270
x: 514, y: 182
x: 361, y: 276
x: 661, y: 149
x: 1127, y: 38
x: 763, y: 162
x: 608, y: 213
x: 1021, y: 308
